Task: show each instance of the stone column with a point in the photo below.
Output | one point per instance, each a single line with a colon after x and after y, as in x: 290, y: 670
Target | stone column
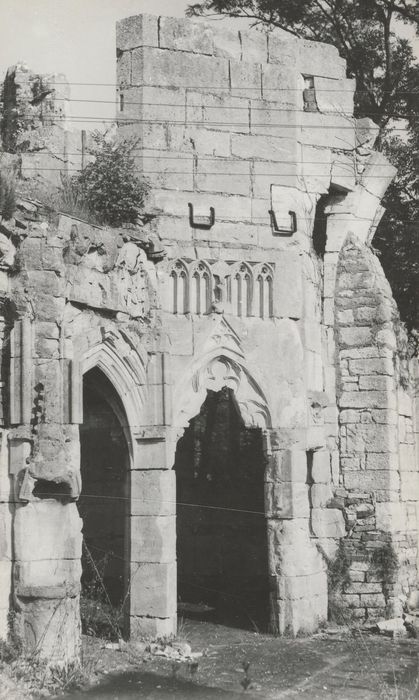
x: 153, y: 596
x: 153, y: 575
x: 299, y: 580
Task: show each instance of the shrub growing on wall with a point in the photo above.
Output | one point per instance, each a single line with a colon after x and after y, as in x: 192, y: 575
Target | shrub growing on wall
x: 109, y: 186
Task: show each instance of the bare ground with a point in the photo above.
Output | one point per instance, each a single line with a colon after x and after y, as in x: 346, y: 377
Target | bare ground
x: 342, y: 665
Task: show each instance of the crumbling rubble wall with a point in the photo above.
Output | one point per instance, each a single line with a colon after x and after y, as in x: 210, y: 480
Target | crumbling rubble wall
x: 39, y: 145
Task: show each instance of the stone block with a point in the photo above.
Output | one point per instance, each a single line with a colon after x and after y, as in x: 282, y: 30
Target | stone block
x: 254, y: 45
x: 210, y: 142
x: 327, y: 131
x: 152, y: 627
x: 153, y: 589
x: 391, y: 517
x: 233, y: 208
x: 297, y: 587
x: 372, y: 481
x: 315, y: 168
x: 266, y: 175
x: 227, y: 44
x: 150, y: 454
x: 266, y: 119
x: 293, y: 466
x: 54, y: 625
x: 40, y: 576
x: 47, y: 530
x: 320, y: 495
x: 153, y: 538
x: 343, y: 176
x: 376, y: 365
x: 153, y: 492
x: 321, y: 467
x: 184, y: 35
x: 334, y: 95
x: 262, y: 147
x: 409, y: 486
x: 287, y: 500
x: 302, y: 616
x: 280, y: 83
x: 168, y: 171
x: 363, y: 588
x: 382, y: 461
x: 404, y: 403
x: 376, y: 383
x: 224, y: 176
x: 246, y: 79
x: 328, y: 522
x: 229, y: 234
x: 371, y: 600
x: 139, y: 30
x: 367, y: 399
x: 222, y: 112
x: 288, y: 300
x: 319, y: 59
x: 407, y: 455
x: 378, y: 174
x: 366, y: 437
x: 151, y: 66
x: 153, y: 104
x: 355, y: 336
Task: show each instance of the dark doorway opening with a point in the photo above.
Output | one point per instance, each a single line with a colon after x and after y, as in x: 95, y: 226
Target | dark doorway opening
x: 222, y: 548
x: 104, y: 509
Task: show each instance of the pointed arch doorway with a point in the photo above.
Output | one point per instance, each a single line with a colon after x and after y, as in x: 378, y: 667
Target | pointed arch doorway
x: 104, y: 507
x: 222, y: 542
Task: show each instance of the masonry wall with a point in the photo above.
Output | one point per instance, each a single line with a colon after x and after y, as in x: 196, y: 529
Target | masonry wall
x: 229, y: 284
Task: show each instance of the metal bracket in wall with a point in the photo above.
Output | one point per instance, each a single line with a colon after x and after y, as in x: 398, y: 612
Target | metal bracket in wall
x: 204, y: 222
x: 283, y: 231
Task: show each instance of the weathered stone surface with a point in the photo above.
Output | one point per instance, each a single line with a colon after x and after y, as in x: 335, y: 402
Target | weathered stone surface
x: 153, y: 538
x: 321, y: 467
x: 136, y: 31
x: 205, y: 294
x: 153, y: 589
x: 181, y: 35
x: 151, y: 66
x: 328, y: 522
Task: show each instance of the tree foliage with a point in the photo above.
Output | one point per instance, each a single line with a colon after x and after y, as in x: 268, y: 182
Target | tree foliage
x: 109, y: 187
x: 387, y: 91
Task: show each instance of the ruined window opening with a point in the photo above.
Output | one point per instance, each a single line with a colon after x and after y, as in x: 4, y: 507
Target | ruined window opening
x: 310, y: 457
x: 179, y: 289
x: 222, y: 548
x: 45, y: 489
x: 121, y: 101
x: 320, y: 226
x: 309, y: 94
x: 264, y: 293
x: 104, y: 509
x: 201, y: 290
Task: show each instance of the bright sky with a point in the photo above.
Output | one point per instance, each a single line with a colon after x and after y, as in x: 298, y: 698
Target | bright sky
x: 74, y: 37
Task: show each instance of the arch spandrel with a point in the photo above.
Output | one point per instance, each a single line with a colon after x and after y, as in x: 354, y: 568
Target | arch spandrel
x: 212, y: 373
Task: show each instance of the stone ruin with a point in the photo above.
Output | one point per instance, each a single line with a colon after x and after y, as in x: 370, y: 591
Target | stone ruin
x: 231, y: 412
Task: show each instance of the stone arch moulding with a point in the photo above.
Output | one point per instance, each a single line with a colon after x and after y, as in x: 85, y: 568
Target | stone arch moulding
x: 122, y: 364
x: 216, y: 370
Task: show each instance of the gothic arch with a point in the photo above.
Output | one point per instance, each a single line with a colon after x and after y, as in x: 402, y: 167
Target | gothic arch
x: 217, y: 369
x: 124, y: 366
